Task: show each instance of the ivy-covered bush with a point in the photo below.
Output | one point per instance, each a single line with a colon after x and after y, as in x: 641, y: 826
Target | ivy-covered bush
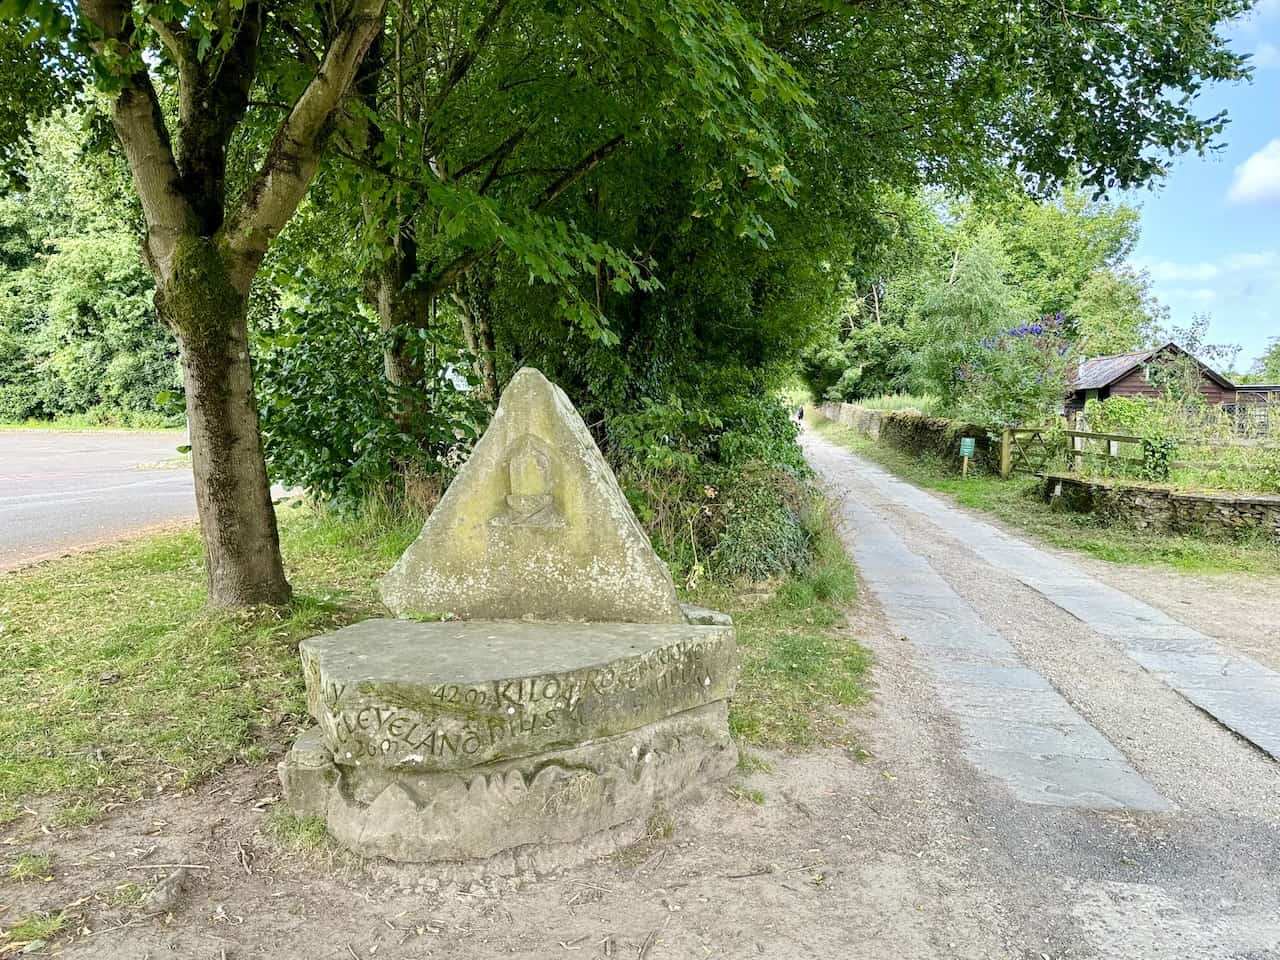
x: 722, y: 489
x: 1157, y: 457
x: 330, y: 422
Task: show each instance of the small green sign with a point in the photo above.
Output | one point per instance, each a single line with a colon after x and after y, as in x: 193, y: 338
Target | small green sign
x: 966, y: 446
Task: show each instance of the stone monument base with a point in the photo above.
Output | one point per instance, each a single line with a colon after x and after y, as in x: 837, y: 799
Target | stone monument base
x: 550, y: 798
x: 460, y: 741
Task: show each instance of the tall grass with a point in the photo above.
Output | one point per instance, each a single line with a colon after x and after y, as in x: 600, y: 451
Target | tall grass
x: 925, y: 403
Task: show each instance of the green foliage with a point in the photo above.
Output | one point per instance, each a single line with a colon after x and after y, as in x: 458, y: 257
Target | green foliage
x: 78, y: 328
x: 1267, y: 367
x: 1056, y: 246
x: 1114, y: 312
x: 331, y: 423
x: 722, y: 490
x: 959, y: 311
x: 985, y: 362
x: 799, y: 657
x: 922, y: 403
x: 871, y: 360
x: 1157, y: 455
x: 1020, y: 503
x: 1123, y: 415
x: 764, y: 533
x: 1214, y: 449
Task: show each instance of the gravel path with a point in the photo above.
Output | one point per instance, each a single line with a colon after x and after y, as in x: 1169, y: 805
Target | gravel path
x: 1200, y: 885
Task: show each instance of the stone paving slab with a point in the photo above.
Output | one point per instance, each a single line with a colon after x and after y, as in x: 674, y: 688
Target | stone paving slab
x: 1070, y: 780
x: 1238, y: 692
x: 1018, y: 728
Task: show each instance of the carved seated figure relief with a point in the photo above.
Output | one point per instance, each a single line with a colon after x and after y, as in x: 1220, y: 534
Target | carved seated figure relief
x: 530, y: 502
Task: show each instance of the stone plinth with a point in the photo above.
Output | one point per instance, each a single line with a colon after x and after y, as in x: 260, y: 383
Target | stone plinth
x: 459, y: 740
x: 549, y: 799
x: 438, y: 696
x: 545, y: 685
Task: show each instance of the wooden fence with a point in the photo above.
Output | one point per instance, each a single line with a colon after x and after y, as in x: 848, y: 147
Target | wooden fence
x: 1024, y: 450
x: 1119, y: 448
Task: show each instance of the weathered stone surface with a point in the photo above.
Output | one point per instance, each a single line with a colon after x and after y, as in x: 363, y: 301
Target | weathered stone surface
x: 535, y: 527
x: 435, y: 696
x: 696, y: 614
x: 551, y: 798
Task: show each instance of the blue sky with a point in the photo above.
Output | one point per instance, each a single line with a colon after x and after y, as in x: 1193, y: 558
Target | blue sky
x: 1211, y: 233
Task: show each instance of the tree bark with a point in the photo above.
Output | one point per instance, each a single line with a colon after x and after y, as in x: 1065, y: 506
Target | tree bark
x: 233, y: 494
x: 475, y: 304
x: 402, y: 312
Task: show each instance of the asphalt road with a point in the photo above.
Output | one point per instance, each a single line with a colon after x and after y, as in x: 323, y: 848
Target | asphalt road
x: 60, y: 490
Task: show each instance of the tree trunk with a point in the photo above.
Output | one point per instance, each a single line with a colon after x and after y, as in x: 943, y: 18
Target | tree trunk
x: 402, y: 313
x: 233, y: 495
x: 474, y: 301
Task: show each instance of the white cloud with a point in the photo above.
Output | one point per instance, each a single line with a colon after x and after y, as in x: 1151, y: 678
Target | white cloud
x: 1267, y: 55
x: 1257, y: 180
x: 1201, y: 296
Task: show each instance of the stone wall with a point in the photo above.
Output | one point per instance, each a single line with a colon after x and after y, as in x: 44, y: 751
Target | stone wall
x: 1157, y: 508
x: 914, y: 433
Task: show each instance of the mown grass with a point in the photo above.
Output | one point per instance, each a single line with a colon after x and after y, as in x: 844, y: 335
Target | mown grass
x: 799, y: 658
x: 115, y: 679
x: 1018, y: 502
x: 99, y: 420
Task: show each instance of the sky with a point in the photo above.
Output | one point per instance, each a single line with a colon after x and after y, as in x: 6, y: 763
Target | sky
x: 1211, y: 233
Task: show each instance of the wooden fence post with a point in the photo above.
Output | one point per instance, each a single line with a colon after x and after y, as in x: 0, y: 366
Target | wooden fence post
x: 1006, y: 453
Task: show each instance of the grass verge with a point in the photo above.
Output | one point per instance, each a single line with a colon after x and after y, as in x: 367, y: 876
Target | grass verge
x: 1018, y: 503
x: 115, y: 680
x: 99, y: 420
x: 798, y: 655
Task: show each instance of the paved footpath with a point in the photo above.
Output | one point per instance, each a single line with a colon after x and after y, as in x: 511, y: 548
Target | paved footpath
x: 1240, y: 693
x: 1119, y: 766
x: 62, y: 489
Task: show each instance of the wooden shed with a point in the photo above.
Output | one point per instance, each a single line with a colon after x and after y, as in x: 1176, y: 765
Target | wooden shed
x: 1126, y: 375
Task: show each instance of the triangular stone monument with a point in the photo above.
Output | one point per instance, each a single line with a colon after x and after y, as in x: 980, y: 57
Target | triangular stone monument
x: 533, y: 527
x: 544, y: 687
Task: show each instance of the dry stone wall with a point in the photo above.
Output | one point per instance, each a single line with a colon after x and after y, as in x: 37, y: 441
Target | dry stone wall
x: 1160, y: 509
x: 912, y: 432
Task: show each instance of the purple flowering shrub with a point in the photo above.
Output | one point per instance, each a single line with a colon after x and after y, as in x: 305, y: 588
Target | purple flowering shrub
x: 1016, y: 376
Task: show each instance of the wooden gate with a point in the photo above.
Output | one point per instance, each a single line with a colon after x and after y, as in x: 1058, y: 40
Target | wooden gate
x: 1023, y: 450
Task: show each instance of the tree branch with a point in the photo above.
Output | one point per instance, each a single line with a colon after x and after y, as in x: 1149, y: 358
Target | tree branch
x: 468, y: 56
x: 578, y: 171
x: 452, y: 271
x: 294, y: 155
x: 140, y: 126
